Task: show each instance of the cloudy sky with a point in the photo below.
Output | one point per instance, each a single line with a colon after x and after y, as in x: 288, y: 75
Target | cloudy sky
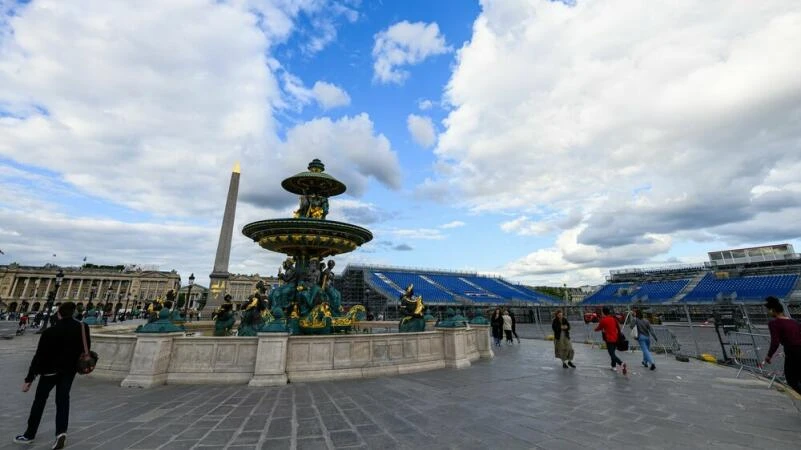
x: 545, y: 141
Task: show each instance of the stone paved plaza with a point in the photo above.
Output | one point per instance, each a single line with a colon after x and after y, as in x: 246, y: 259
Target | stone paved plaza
x: 521, y: 399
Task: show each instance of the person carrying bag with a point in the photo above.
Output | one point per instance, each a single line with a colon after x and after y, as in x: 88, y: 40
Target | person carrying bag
x: 63, y: 350
x: 613, y: 338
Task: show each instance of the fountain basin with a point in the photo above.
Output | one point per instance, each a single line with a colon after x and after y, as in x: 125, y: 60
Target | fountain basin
x: 150, y: 359
x: 307, y: 237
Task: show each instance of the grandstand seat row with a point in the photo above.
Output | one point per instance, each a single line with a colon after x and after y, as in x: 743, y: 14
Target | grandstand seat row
x: 750, y: 288
x: 455, y: 288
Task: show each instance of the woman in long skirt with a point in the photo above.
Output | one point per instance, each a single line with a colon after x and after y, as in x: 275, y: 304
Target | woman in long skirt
x: 496, y: 321
x: 562, y: 347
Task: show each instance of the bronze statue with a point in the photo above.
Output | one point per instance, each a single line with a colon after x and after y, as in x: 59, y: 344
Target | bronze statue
x: 413, y: 310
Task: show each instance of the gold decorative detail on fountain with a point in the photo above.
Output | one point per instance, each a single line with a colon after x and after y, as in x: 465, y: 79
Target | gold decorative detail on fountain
x: 316, y: 317
x: 348, y: 319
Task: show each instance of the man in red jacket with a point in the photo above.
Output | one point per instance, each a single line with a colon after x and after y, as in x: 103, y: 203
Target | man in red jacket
x: 610, y: 329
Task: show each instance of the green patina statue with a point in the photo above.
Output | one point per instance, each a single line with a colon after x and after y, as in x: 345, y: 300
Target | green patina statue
x: 275, y: 323
x: 306, y: 302
x: 413, y: 311
x: 93, y: 316
x: 479, y: 318
x: 164, y: 324
x: 253, y: 318
x: 453, y: 320
x: 224, y: 318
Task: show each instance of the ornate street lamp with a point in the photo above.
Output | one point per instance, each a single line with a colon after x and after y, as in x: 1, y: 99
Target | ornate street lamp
x: 115, y: 309
x: 188, y: 295
x: 51, y: 297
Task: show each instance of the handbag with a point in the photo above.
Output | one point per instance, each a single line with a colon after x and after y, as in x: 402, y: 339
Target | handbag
x: 635, y: 333
x: 88, y: 359
x: 622, y: 343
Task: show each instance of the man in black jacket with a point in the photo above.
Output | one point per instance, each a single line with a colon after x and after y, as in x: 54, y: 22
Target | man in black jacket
x: 55, y: 362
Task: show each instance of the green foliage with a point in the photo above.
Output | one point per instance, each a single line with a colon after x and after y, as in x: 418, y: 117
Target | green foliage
x: 557, y: 292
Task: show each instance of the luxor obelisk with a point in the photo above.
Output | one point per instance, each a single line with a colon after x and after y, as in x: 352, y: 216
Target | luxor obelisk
x: 218, y: 279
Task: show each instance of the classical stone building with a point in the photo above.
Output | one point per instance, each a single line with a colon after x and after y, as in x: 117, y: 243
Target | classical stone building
x: 199, y: 294
x: 240, y: 287
x: 25, y: 288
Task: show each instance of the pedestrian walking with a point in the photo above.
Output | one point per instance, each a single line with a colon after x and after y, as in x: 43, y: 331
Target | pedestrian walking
x: 496, y: 321
x: 562, y: 347
x: 787, y: 332
x: 514, y: 324
x: 644, y: 332
x: 507, y: 326
x: 610, y: 329
x: 56, y: 363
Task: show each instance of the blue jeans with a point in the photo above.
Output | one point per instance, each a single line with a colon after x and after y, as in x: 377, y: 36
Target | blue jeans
x: 645, y: 346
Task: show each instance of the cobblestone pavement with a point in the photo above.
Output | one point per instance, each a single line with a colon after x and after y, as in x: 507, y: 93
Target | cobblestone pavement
x: 521, y: 399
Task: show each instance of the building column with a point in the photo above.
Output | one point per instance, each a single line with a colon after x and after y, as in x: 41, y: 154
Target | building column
x: 119, y: 288
x: 24, y: 288
x: 80, y: 288
x: 47, y: 291
x: 13, y: 287
x: 69, y: 289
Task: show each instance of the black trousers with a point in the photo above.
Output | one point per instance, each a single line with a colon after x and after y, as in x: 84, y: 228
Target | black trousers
x: 508, y: 334
x: 63, y: 383
x: 610, y: 348
x: 792, y: 368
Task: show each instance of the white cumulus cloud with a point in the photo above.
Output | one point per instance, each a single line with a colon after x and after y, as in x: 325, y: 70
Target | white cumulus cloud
x: 143, y: 116
x: 422, y: 130
x: 404, y: 44
x: 650, y: 119
x: 329, y: 95
x: 454, y: 224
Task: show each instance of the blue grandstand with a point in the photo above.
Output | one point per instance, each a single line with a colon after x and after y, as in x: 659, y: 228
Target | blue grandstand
x: 749, y: 288
x: 447, y: 288
x: 647, y: 292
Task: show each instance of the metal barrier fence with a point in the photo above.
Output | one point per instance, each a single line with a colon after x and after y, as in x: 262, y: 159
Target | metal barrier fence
x: 734, y: 333
x: 748, y: 351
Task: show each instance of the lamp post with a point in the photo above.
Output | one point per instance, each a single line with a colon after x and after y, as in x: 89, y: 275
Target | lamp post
x: 188, y: 294
x: 125, y: 310
x: 116, y: 310
x: 51, y: 297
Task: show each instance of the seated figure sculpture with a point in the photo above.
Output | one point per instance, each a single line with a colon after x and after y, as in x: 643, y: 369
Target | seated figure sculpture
x: 224, y: 319
x: 282, y: 295
x: 413, y: 310
x: 253, y: 316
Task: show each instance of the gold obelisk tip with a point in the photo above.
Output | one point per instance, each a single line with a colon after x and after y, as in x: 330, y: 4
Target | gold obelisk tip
x: 236, y: 167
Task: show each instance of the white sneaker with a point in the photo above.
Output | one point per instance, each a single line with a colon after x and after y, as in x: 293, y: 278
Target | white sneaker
x: 21, y: 439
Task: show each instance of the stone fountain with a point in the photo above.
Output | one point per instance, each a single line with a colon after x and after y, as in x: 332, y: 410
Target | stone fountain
x: 308, y: 301
x: 292, y: 335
